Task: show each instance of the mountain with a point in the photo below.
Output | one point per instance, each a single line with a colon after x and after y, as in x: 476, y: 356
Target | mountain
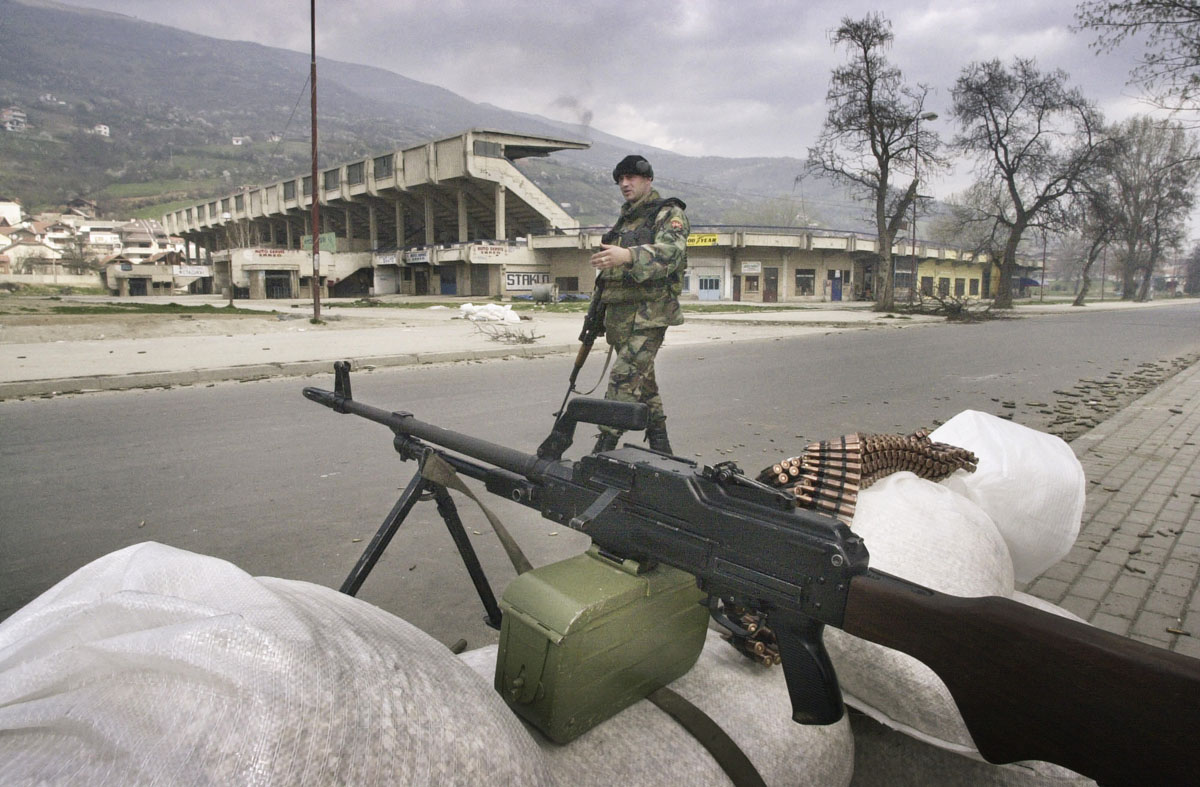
x: 173, y: 101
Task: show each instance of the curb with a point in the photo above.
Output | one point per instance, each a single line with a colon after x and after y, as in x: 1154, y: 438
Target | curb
x: 258, y: 371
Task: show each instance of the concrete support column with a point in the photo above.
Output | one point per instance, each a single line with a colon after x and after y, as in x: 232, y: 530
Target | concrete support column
x: 294, y: 283
x: 258, y: 285
x: 463, y: 232
x: 287, y: 225
x: 501, y: 229
x: 123, y: 287
x: 400, y: 235
x: 372, y: 226
x: 349, y: 229
x: 429, y: 234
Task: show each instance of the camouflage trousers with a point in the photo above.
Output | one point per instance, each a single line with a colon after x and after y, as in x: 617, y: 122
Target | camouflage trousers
x: 632, y: 377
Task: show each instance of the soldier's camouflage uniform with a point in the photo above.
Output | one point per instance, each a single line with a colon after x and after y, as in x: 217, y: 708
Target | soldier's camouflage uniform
x: 642, y: 298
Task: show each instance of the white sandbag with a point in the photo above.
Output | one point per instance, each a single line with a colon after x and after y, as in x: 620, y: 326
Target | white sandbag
x: 157, y: 666
x: 643, y: 746
x: 928, y: 534
x: 489, y: 312
x: 1030, y: 483
x: 925, y: 533
x: 887, y: 758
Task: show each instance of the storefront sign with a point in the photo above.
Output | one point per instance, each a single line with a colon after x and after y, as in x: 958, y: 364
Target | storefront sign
x: 417, y: 257
x: 191, y: 270
x: 386, y: 259
x: 752, y: 267
x: 488, y: 251
x: 517, y: 282
x: 328, y: 242
x: 702, y: 239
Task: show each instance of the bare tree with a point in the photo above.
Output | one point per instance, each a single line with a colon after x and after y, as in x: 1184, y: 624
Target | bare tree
x: 970, y: 223
x: 1032, y: 138
x: 1191, y: 284
x: 872, y: 129
x: 1169, y: 68
x: 1153, y: 167
x: 1093, y: 232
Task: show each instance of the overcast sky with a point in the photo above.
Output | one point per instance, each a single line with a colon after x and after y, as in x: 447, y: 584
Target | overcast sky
x: 699, y: 77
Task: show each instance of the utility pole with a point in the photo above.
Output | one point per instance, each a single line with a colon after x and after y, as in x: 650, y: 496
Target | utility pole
x: 316, y: 202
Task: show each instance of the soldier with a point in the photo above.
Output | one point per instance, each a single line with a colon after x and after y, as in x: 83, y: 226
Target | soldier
x: 641, y: 262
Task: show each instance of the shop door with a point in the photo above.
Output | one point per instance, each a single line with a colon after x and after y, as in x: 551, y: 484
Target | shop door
x: 278, y: 285
x: 770, y: 285
x: 137, y: 286
x: 710, y: 288
x: 737, y: 288
x: 479, y: 280
x: 420, y: 281
x: 449, y: 283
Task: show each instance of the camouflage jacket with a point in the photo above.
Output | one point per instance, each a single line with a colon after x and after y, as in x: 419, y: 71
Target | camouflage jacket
x: 656, y: 234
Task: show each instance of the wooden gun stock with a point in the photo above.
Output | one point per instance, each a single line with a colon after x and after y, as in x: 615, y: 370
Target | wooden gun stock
x: 1035, y: 686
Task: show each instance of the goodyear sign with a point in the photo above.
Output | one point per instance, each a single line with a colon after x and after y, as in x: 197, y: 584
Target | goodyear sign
x: 702, y: 239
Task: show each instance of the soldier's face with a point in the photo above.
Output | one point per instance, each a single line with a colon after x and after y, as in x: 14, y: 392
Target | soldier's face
x: 634, y: 187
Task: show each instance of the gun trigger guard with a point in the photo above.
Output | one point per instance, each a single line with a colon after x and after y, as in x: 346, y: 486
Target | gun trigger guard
x: 596, y: 508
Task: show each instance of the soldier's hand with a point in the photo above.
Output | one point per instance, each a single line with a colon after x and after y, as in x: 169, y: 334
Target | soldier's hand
x: 611, y: 257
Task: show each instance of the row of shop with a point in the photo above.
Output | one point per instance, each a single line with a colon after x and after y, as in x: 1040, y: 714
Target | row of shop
x: 549, y: 266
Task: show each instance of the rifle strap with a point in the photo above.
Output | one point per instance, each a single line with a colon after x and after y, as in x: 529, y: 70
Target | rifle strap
x: 437, y: 470
x: 607, y: 361
x: 724, y: 750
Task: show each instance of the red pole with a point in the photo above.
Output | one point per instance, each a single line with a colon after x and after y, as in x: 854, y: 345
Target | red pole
x: 316, y: 203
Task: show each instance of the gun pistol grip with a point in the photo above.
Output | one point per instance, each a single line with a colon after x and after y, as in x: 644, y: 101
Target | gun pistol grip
x: 812, y: 683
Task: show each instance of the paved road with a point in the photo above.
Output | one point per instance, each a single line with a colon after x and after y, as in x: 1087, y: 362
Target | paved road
x: 256, y: 474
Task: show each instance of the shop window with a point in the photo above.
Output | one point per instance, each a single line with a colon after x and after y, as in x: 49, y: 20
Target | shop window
x: 960, y: 287
x: 974, y: 287
x: 927, y: 285
x: 383, y: 165
x: 751, y: 284
x: 943, y: 286
x: 806, y: 281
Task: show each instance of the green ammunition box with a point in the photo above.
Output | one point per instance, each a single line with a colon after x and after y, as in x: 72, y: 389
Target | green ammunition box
x: 586, y: 637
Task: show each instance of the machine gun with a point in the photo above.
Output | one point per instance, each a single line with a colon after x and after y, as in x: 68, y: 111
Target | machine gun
x: 1030, y: 685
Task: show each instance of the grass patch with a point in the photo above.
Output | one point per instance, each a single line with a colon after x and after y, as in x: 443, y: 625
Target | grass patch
x: 151, y: 308
x: 21, y: 289
x: 154, y: 187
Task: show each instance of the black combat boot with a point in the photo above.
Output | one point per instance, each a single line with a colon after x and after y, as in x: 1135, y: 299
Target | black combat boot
x: 606, y: 442
x: 656, y: 434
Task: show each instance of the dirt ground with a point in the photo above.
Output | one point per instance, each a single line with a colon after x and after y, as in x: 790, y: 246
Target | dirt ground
x: 28, y: 320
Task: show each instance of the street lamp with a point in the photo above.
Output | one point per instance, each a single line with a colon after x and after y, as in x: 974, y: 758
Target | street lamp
x: 912, y: 284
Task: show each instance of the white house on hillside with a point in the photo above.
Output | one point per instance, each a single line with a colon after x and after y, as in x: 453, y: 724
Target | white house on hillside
x: 10, y: 212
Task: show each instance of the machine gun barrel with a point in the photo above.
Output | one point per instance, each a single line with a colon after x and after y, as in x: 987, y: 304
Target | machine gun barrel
x: 403, y: 423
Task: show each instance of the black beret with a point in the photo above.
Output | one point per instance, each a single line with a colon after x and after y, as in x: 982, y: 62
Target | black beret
x: 633, y: 165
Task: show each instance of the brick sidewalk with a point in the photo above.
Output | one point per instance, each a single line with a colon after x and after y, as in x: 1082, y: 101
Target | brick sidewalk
x: 1135, y: 567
